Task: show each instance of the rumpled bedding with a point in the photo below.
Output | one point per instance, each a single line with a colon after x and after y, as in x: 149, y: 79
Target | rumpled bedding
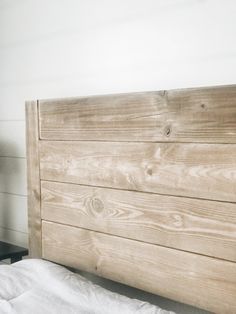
x: 35, y: 286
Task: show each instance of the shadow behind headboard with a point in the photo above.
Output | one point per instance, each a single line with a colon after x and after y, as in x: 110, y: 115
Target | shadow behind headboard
x: 139, y: 188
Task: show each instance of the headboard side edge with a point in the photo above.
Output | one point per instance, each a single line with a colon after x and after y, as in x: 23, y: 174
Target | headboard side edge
x: 33, y: 179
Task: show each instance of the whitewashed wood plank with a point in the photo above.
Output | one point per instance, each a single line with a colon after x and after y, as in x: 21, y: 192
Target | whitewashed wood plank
x: 205, y: 115
x: 200, y: 226
x: 194, y: 170
x: 179, y: 275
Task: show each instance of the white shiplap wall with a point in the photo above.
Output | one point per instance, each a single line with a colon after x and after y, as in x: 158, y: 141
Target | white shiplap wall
x: 62, y: 48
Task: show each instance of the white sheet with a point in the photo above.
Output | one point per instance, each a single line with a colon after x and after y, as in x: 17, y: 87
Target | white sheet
x: 39, y: 287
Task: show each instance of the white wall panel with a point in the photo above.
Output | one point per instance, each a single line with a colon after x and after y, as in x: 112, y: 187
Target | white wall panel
x: 14, y: 237
x: 12, y: 209
x: 13, y: 176
x: 140, y: 43
x: 12, y: 138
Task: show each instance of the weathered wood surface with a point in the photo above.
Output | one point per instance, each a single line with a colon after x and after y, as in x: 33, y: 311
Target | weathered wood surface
x: 127, y: 117
x: 206, y: 115
x: 33, y: 179
x: 205, y: 227
x: 195, y: 170
x: 198, y: 280
x: 112, y: 177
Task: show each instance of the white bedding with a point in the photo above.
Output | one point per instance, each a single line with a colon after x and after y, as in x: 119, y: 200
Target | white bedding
x: 39, y: 287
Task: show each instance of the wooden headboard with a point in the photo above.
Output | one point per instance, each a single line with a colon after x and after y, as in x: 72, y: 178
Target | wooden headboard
x: 139, y: 188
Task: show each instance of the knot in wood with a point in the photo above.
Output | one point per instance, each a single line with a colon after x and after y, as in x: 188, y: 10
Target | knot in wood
x: 97, y: 204
x: 178, y: 220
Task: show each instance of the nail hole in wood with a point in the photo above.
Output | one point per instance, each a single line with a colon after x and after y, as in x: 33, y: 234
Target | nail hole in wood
x: 168, y: 131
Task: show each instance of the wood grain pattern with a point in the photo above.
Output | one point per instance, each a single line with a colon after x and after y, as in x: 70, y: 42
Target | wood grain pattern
x: 205, y: 115
x: 122, y: 195
x: 194, y: 170
x: 198, y: 280
x: 34, y: 214
x: 136, y: 117
x: 205, y: 227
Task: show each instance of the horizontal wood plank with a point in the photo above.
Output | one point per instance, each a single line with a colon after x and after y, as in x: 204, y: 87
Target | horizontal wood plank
x: 195, y: 170
x: 205, y: 227
x: 202, y: 281
x: 206, y: 115
x: 124, y: 117
x: 203, y: 114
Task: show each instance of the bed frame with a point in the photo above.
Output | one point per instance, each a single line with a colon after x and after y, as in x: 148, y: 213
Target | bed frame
x: 139, y: 188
